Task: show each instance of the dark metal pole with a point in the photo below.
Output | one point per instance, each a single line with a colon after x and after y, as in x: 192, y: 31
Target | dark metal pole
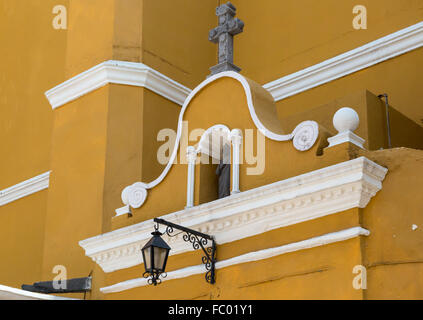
x: 388, y: 123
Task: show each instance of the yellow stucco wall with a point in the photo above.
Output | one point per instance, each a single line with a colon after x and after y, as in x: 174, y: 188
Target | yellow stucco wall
x: 32, y: 61
x: 32, y: 57
x: 106, y: 140
x: 22, y: 240
x: 393, y: 258
x: 390, y: 253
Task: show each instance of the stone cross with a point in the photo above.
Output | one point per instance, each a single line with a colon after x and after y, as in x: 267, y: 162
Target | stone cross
x: 224, y: 35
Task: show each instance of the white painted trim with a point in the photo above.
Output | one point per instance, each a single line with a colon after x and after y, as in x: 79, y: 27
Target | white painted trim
x: 346, y: 136
x: 245, y: 258
x: 8, y: 293
x: 306, y: 197
x: 385, y: 48
x: 138, y: 74
x: 117, y: 72
x: 25, y: 188
x: 124, y: 210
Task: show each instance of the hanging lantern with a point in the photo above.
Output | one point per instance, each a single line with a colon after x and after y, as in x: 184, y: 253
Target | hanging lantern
x: 155, y: 254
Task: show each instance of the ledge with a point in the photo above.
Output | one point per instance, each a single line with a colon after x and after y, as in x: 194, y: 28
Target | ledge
x: 249, y: 257
x: 117, y: 72
x: 8, y: 293
x: 140, y: 75
x: 385, y: 48
x: 319, y: 193
x: 25, y: 188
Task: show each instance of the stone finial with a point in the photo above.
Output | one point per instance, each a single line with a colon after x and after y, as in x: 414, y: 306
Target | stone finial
x: 223, y: 35
x: 345, y: 121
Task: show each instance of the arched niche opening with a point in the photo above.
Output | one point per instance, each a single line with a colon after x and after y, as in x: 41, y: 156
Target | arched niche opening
x: 216, y: 174
x: 214, y: 168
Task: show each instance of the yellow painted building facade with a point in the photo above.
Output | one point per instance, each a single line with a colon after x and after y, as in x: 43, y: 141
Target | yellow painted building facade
x: 83, y: 104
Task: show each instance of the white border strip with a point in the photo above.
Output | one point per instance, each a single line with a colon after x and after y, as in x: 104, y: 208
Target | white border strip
x: 8, y: 293
x: 249, y: 257
x: 385, y: 48
x: 25, y: 188
x: 117, y: 72
x: 138, y: 74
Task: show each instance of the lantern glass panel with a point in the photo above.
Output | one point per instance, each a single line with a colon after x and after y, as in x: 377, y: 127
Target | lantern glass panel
x: 160, y: 255
x: 147, y: 258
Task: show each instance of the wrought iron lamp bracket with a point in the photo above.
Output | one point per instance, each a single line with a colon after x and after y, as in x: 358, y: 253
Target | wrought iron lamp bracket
x: 198, y: 240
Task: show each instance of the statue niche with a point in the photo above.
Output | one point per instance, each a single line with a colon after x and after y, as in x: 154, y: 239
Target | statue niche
x: 223, y: 173
x: 214, y: 170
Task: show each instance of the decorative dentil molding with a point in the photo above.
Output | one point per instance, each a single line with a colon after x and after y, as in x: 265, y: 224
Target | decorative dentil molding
x: 326, y: 239
x: 25, y: 188
x: 385, y: 48
x: 319, y: 193
x: 117, y: 72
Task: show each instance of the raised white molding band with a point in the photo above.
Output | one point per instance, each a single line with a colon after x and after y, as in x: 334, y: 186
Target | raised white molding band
x: 138, y: 74
x: 25, y: 188
x: 385, y: 48
x: 249, y: 257
x: 8, y: 293
x: 316, y: 194
x: 117, y: 72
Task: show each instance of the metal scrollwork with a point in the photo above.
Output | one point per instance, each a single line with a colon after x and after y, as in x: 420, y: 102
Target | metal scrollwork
x: 154, y: 278
x: 198, y: 240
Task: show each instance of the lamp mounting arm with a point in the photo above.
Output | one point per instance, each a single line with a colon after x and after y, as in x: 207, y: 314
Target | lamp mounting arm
x: 198, y: 240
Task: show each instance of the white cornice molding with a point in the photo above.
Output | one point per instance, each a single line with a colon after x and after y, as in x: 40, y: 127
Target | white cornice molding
x: 333, y: 189
x: 138, y: 74
x: 385, y: 48
x: 117, y: 72
x: 25, y: 188
x: 245, y: 258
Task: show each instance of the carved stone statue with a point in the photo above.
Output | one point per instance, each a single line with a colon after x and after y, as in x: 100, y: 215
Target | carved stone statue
x: 223, y: 172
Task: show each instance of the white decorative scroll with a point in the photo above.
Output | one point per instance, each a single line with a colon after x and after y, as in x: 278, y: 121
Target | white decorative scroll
x: 305, y: 135
x: 135, y: 195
